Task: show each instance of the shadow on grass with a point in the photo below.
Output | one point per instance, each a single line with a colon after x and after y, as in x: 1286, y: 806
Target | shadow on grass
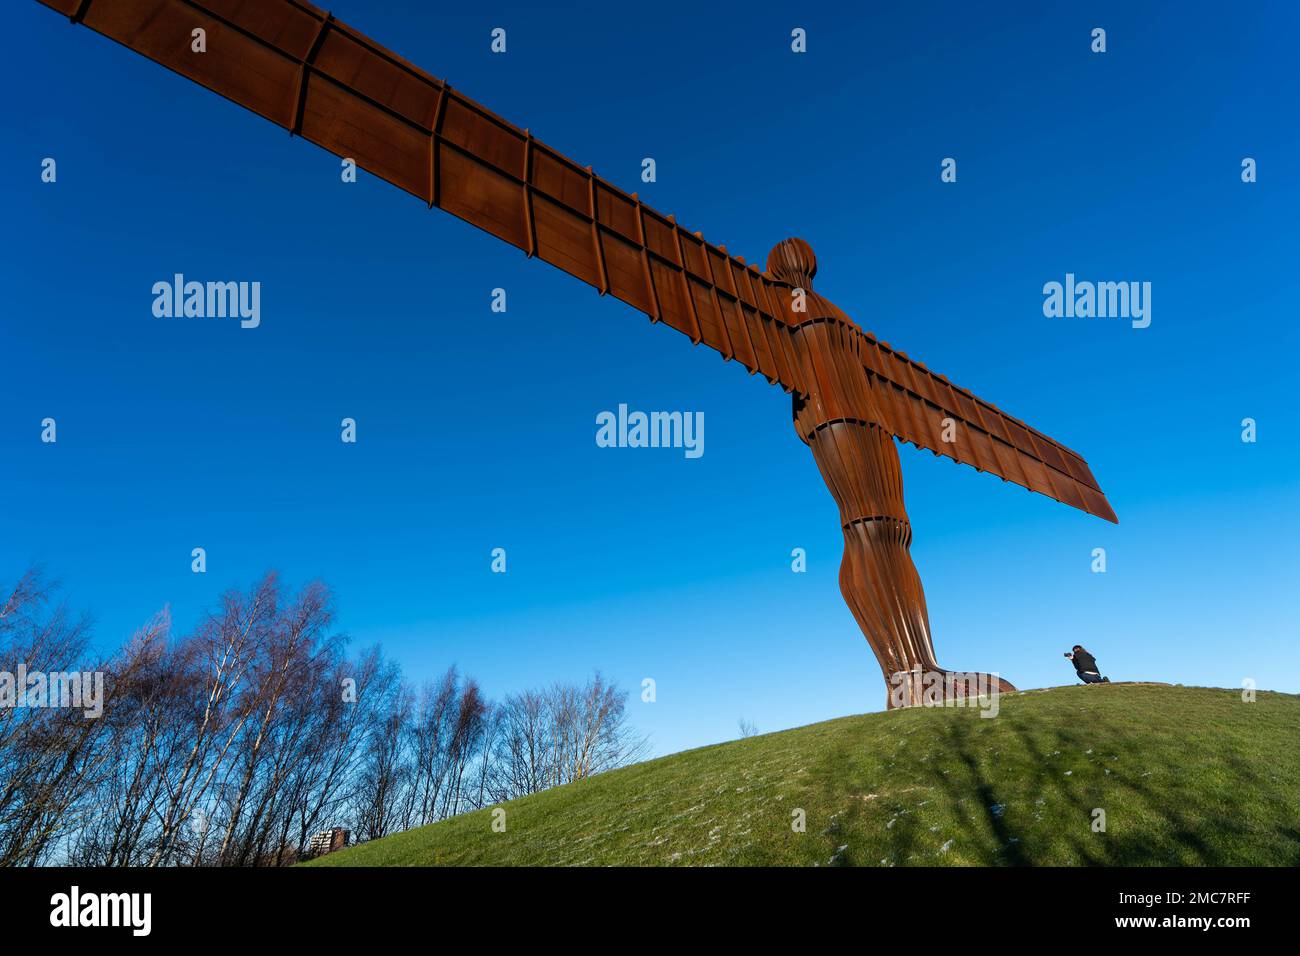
x: 1180, y: 840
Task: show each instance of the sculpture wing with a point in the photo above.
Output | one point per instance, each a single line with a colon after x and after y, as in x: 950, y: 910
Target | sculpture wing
x: 924, y: 408
x: 294, y: 64
x: 299, y: 67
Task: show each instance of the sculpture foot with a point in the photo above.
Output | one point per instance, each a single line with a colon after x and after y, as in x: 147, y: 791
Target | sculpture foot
x: 940, y: 687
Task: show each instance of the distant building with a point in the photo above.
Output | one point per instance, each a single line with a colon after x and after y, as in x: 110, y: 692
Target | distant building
x: 327, y: 841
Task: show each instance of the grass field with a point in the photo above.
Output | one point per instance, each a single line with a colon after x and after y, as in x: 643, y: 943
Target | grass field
x: 1186, y: 776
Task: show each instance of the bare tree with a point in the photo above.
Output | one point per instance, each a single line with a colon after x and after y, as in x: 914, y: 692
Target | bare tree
x: 525, y: 749
x: 467, y: 735
x: 385, y: 770
x: 217, y: 662
x: 53, y: 755
x: 492, y: 727
x: 148, y: 740
x: 431, y: 733
x: 567, y: 732
x: 285, y: 664
x: 316, y: 789
x: 232, y: 745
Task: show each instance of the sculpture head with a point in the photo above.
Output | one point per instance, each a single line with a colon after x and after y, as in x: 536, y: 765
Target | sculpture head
x: 793, y: 261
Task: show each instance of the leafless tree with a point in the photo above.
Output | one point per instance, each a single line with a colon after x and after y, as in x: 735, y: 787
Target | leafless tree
x: 525, y: 749
x: 315, y: 792
x: 233, y: 744
x: 149, y: 740
x: 564, y: 733
x: 463, y: 747
x: 385, y: 770
x: 217, y: 662
x: 431, y: 732
x: 54, y: 756
x: 591, y: 729
x: 286, y: 663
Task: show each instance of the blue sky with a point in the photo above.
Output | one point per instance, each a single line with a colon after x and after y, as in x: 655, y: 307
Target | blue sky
x: 476, y: 429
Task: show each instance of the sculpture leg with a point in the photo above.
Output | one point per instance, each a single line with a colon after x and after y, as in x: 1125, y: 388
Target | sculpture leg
x: 859, y: 463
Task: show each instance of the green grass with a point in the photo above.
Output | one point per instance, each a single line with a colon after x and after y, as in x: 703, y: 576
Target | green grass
x: 1186, y: 776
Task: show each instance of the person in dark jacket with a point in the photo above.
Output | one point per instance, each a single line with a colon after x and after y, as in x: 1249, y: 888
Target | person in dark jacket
x: 1086, y: 665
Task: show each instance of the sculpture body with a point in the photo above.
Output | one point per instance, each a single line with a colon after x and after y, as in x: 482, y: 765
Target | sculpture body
x: 844, y: 427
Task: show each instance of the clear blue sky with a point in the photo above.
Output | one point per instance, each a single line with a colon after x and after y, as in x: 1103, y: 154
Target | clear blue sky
x: 476, y: 430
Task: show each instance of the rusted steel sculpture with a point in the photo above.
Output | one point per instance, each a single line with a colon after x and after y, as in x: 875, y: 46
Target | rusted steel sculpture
x: 300, y: 68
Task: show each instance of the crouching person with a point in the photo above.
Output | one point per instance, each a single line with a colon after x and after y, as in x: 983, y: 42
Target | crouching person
x: 1086, y: 666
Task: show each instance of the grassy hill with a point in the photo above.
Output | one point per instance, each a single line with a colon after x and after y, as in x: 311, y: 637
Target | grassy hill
x: 1185, y: 776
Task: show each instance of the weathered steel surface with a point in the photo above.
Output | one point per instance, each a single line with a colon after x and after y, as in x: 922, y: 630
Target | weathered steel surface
x: 843, y: 423
x: 297, y: 66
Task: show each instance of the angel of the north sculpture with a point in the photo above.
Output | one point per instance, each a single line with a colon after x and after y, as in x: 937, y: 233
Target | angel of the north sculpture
x: 853, y: 395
